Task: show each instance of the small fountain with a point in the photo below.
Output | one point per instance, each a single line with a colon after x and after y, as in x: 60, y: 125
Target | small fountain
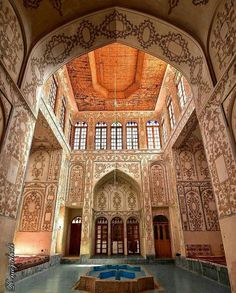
x: 116, y: 278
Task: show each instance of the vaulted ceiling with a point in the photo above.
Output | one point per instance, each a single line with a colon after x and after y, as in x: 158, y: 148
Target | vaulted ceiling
x: 116, y: 77
x: 42, y: 16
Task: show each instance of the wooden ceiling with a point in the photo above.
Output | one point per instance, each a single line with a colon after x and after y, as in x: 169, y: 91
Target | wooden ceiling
x: 116, y: 75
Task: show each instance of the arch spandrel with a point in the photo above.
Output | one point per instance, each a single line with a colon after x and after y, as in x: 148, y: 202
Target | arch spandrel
x: 222, y: 37
x: 12, y: 43
x: 132, y: 28
x: 132, y: 169
x: 116, y: 192
x: 118, y: 173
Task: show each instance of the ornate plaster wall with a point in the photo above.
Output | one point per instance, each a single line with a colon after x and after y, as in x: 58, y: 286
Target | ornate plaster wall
x: 39, y: 200
x: 196, y: 198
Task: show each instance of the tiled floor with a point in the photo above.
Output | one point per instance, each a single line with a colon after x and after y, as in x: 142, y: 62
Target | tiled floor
x: 60, y: 279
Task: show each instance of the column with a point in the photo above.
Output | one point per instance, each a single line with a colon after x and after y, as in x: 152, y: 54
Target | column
x: 149, y: 248
x: 109, y: 237
x: 125, y: 239
x: 220, y: 153
x: 13, y: 160
x: 85, y: 248
x: 176, y: 230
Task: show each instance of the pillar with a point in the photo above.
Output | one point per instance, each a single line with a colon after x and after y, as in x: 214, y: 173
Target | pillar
x: 125, y: 239
x: 85, y: 247
x: 13, y: 160
x: 222, y: 164
x: 109, y: 237
x: 149, y: 248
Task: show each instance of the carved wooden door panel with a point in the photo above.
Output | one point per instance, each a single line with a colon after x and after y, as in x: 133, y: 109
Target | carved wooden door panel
x: 133, y: 241
x: 101, y: 236
x: 117, y: 236
x: 162, y: 240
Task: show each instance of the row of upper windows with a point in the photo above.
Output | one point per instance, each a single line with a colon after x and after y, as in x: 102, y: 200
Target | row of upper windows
x: 116, y: 141
x: 116, y: 129
x: 52, y: 98
x: 132, y: 139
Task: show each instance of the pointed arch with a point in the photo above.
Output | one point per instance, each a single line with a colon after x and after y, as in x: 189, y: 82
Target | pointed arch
x: 116, y: 24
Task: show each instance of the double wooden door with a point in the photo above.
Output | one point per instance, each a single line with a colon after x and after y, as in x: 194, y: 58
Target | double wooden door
x: 117, y: 236
x: 162, y: 239
x: 133, y: 242
x: 101, y: 236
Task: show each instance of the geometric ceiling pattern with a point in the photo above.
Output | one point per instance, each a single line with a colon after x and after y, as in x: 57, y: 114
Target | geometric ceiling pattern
x: 117, y: 77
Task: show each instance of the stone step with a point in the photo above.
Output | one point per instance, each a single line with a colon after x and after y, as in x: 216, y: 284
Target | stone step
x: 116, y: 260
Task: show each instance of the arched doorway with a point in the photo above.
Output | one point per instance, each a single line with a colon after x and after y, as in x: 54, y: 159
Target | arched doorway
x: 133, y: 241
x: 117, y: 236
x: 162, y: 236
x: 101, y: 236
x: 75, y: 236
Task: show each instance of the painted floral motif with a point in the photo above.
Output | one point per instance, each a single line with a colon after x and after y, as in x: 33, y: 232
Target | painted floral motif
x: 11, y: 41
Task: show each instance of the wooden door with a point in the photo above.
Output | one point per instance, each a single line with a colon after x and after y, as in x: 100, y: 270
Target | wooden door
x: 75, y: 236
x: 117, y: 236
x: 101, y: 236
x: 162, y: 237
x: 133, y: 241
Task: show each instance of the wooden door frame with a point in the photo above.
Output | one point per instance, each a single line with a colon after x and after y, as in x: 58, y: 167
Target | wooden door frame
x: 95, y: 246
x: 123, y: 239
x: 164, y: 223
x: 70, y: 232
x: 133, y: 224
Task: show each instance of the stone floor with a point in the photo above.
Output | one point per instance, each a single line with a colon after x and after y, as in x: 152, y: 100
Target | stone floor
x: 61, y: 278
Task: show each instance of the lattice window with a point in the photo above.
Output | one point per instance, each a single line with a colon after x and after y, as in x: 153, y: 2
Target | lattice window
x: 153, y: 135
x: 171, y: 112
x: 116, y: 136
x: 53, y: 94
x: 164, y: 131
x: 132, y: 135
x: 63, y: 113
x: 80, y: 136
x: 101, y: 136
x: 181, y: 93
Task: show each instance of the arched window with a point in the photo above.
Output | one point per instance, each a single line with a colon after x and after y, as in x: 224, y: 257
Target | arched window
x: 80, y: 136
x: 171, y: 112
x: 132, y: 135
x: 116, y: 136
x: 153, y: 135
x: 53, y: 93
x: 101, y: 136
x: 181, y: 92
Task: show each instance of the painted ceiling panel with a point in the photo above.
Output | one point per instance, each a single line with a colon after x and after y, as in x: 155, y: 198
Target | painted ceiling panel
x: 116, y: 75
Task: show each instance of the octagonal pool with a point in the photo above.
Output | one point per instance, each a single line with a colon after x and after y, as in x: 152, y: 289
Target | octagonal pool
x: 116, y: 278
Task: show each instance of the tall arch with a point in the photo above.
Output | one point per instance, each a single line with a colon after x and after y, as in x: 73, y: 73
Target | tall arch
x: 129, y: 27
